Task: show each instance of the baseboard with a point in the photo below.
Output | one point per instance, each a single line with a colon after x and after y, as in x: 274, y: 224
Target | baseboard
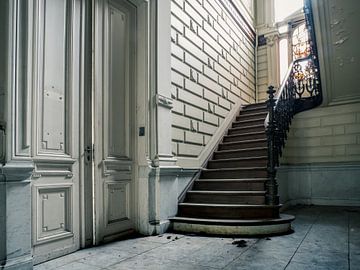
x: 333, y: 184
x: 19, y: 263
x: 320, y: 202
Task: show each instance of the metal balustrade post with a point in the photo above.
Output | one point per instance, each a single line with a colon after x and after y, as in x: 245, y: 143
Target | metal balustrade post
x: 272, y: 197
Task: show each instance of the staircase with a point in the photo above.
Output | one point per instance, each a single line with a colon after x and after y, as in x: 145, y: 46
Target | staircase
x: 230, y: 195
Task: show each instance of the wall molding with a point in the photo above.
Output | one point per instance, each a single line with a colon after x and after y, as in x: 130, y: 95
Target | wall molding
x: 320, y: 184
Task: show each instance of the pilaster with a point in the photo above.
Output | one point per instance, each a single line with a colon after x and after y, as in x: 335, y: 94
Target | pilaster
x: 15, y: 223
x: 16, y: 167
x: 272, y: 48
x: 162, y: 99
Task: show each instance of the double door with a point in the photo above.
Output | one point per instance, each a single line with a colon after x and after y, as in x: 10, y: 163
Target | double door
x: 84, y: 195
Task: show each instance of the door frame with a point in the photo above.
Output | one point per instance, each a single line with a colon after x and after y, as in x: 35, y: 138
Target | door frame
x: 143, y: 110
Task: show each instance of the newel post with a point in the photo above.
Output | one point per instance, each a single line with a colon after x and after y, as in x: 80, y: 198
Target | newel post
x: 272, y: 197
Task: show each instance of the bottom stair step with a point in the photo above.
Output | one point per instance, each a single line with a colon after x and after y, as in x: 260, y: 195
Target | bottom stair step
x: 227, y: 211
x: 226, y: 197
x: 254, y: 184
x: 253, y: 227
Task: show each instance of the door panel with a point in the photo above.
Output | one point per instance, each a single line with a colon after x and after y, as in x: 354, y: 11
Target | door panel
x: 55, y: 181
x: 114, y: 41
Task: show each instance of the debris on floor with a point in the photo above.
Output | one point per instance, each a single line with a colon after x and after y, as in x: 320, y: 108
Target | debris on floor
x: 240, y: 243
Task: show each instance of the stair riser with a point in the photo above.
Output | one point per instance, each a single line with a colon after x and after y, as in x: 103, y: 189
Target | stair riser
x: 227, y: 199
x: 245, y: 137
x: 229, y: 174
x: 242, y: 116
x: 237, y: 164
x: 227, y: 213
x: 233, y: 186
x: 254, y: 122
x: 242, y: 145
x: 241, y: 154
x: 246, y: 130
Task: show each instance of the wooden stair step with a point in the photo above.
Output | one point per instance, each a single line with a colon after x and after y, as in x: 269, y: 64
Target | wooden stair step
x: 237, y: 162
x: 241, y: 123
x: 227, y: 211
x: 250, y: 116
x: 246, y: 129
x: 226, y: 197
x: 237, y: 153
x: 235, y: 222
x: 247, y: 172
x: 250, y: 184
x: 243, y: 144
x: 245, y: 136
x: 255, y: 105
x: 250, y: 110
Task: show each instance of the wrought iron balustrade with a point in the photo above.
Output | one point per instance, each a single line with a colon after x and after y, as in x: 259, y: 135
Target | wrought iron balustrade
x: 300, y: 91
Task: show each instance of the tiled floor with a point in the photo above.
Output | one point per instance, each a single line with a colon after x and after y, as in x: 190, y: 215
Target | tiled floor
x: 324, y: 238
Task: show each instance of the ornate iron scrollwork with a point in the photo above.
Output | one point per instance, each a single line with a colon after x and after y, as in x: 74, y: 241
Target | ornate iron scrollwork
x: 300, y: 91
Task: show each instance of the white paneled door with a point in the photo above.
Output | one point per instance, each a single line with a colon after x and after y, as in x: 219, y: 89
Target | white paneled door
x: 79, y: 196
x: 55, y: 53
x: 113, y: 118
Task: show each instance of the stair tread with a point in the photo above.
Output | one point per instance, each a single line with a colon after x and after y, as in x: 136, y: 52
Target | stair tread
x: 240, y: 150
x: 283, y: 218
x: 245, y: 134
x: 242, y: 192
x: 230, y: 205
x: 244, y: 141
x: 251, y: 114
x: 237, y: 169
x: 248, y: 120
x: 245, y: 127
x: 238, y: 159
x: 232, y: 180
x: 254, y: 109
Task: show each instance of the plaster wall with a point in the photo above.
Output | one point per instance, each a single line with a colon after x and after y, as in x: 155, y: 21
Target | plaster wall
x: 213, y: 71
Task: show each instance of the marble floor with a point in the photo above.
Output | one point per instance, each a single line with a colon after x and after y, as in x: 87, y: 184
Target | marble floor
x: 323, y: 238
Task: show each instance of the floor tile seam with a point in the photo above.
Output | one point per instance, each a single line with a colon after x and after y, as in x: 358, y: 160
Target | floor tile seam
x: 135, y: 255
x: 85, y: 264
x: 55, y: 267
x: 308, y: 231
x: 189, y: 263
x: 241, y: 253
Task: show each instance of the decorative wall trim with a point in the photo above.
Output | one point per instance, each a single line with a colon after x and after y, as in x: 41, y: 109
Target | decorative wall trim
x: 320, y: 184
x: 116, y: 167
x: 48, y: 168
x: 17, y: 171
x: 239, y: 19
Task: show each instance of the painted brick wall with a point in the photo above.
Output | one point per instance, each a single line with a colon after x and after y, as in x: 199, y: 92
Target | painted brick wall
x: 213, y: 68
x: 262, y: 73
x: 325, y: 134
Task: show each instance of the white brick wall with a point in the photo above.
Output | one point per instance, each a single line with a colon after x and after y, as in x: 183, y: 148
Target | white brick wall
x: 262, y: 73
x: 212, y: 69
x: 325, y: 134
